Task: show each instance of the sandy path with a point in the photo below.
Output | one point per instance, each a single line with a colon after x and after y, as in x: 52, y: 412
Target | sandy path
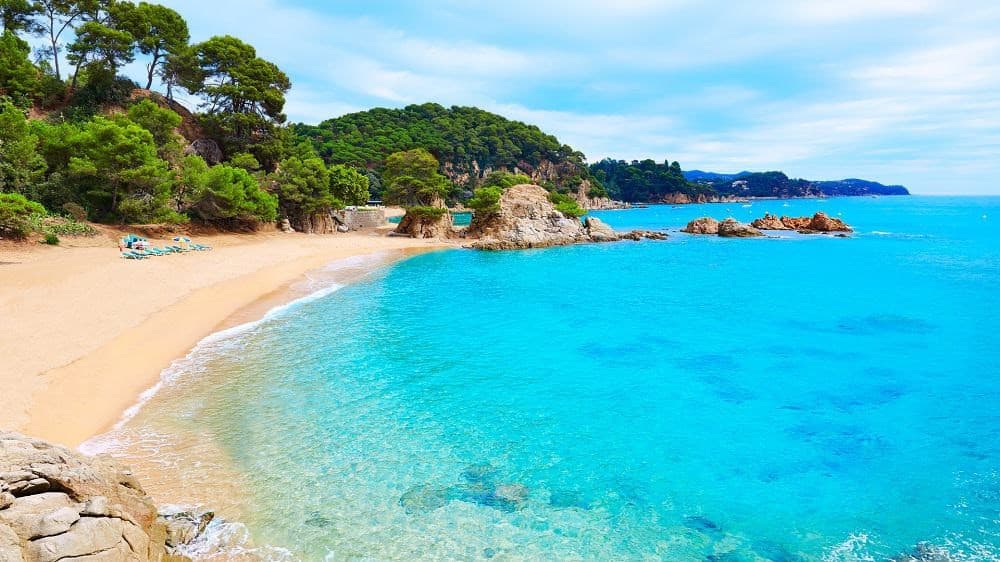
x: 84, y: 332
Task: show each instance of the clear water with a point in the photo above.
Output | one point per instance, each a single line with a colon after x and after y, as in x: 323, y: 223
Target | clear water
x: 801, y: 398
x: 459, y: 219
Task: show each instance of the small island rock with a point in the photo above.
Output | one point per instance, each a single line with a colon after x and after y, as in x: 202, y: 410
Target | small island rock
x: 704, y: 225
x: 732, y: 228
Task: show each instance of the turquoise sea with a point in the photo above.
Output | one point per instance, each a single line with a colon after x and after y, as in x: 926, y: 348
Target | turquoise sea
x: 704, y: 399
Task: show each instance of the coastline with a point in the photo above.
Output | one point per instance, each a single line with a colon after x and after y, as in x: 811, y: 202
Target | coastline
x: 91, y: 334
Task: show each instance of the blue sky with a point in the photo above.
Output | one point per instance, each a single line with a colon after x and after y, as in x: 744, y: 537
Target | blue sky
x: 899, y: 91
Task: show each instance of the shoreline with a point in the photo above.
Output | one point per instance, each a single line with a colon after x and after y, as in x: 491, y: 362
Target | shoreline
x: 99, y: 369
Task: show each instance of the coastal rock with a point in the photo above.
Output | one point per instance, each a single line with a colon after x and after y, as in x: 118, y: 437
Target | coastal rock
x: 795, y: 223
x: 732, y: 228
x: 769, y: 222
x: 58, y: 504
x: 640, y: 234
x: 418, y: 222
x: 822, y: 223
x: 704, y: 225
x: 598, y: 231
x: 526, y: 219
x: 286, y: 226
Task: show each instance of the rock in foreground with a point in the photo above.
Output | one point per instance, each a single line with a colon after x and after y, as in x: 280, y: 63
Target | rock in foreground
x: 57, y: 504
x: 526, y: 219
x: 732, y: 228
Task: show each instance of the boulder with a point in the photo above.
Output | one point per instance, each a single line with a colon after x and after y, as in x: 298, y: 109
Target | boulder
x: 769, y: 222
x: 56, y: 503
x: 526, y: 219
x: 418, y: 223
x: 648, y: 234
x: 598, y: 231
x: 286, y: 226
x: 822, y: 223
x: 732, y: 228
x: 795, y: 223
x: 208, y: 149
x: 704, y: 225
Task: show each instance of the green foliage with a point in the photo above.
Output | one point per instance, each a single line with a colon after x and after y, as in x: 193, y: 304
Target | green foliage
x: 506, y: 180
x: 244, y: 94
x: 51, y: 239
x: 426, y: 211
x: 348, y: 185
x: 412, y: 178
x: 17, y: 15
x: 21, y: 166
x: 159, y: 121
x: 244, y: 160
x: 159, y: 32
x: 115, y: 163
x: 303, y: 188
x: 16, y: 213
x: 75, y: 211
x: 19, y: 79
x: 68, y: 227
x: 231, y: 195
x: 644, y: 180
x: 457, y: 135
x: 485, y: 200
x: 566, y: 205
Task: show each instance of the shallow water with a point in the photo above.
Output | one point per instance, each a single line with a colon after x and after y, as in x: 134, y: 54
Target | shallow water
x: 802, y: 398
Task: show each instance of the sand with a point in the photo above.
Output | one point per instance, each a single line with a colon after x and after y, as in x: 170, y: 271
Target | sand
x: 84, y: 332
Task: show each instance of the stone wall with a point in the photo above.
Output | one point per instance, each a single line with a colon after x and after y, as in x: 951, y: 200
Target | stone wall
x: 356, y: 219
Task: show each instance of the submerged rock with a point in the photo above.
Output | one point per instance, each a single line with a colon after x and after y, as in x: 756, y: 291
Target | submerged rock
x: 422, y: 499
x: 704, y: 225
x: 58, y: 504
x: 702, y: 524
x: 924, y: 552
x: 732, y: 228
x: 648, y: 234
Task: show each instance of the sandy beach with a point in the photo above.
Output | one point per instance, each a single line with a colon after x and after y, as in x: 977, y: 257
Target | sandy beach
x: 85, y: 332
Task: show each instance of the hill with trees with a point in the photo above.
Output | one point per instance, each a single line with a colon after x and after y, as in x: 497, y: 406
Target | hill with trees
x: 469, y: 143
x: 777, y: 184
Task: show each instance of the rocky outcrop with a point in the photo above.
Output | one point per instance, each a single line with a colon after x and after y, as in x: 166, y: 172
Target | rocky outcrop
x: 56, y: 504
x: 208, y: 149
x: 819, y: 222
x: 679, y: 198
x: 704, y: 225
x: 769, y: 222
x: 732, y: 228
x: 822, y: 223
x: 641, y: 234
x: 598, y: 231
x: 418, y: 222
x: 526, y: 219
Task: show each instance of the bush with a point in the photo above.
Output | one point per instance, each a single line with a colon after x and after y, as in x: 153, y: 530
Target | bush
x: 485, y: 200
x: 51, y: 239
x: 567, y: 205
x: 504, y: 180
x: 425, y: 211
x: 16, y: 214
x: 76, y: 211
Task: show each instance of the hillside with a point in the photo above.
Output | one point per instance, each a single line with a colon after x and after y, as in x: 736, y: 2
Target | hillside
x: 470, y: 143
x: 777, y: 184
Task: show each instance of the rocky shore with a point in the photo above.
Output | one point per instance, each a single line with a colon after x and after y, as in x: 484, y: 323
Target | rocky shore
x: 56, y: 504
x: 731, y: 228
x: 526, y: 218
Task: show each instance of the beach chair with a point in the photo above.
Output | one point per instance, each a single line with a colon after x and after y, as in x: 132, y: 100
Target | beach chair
x: 131, y: 256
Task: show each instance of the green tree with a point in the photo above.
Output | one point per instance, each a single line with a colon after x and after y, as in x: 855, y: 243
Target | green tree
x: 117, y: 169
x: 232, y: 196
x: 105, y: 48
x: 190, y: 177
x: 348, y: 185
x: 244, y: 94
x: 412, y: 178
x: 17, y: 16
x: 160, y: 122
x: 159, y: 32
x: 21, y: 166
x: 16, y: 213
x: 58, y: 16
x: 506, y: 180
x: 567, y: 205
x: 19, y: 79
x: 303, y: 188
x: 485, y: 200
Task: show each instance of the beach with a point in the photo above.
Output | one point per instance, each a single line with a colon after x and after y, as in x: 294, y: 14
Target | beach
x: 86, y: 332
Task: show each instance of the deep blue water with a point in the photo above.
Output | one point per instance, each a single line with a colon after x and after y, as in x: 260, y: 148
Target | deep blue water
x: 802, y: 398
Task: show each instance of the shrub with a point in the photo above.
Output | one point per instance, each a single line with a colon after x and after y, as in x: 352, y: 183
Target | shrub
x: 426, y: 211
x: 504, y: 180
x: 567, y: 205
x: 16, y: 214
x: 76, y: 211
x: 51, y: 239
x: 485, y: 200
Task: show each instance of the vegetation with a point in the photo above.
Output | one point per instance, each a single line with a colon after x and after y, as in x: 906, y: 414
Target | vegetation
x: 567, y: 205
x: 485, y: 200
x: 642, y: 181
x: 16, y: 213
x: 412, y: 179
